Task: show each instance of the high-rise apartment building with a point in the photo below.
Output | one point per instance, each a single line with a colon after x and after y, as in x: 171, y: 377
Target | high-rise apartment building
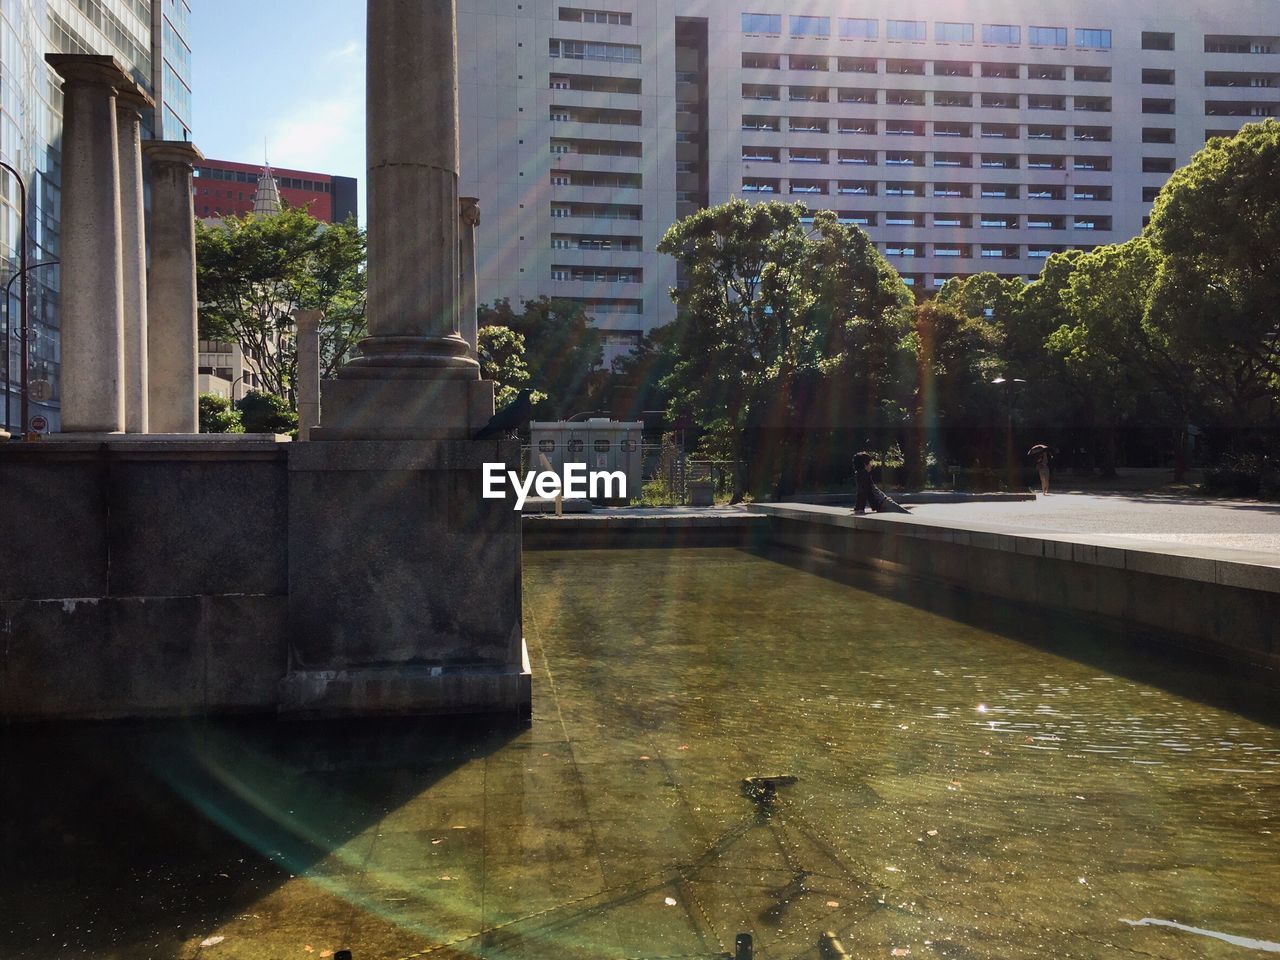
x: 962, y: 136
x: 150, y: 40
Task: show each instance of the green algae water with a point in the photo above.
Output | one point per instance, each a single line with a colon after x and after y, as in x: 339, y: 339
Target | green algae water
x: 971, y: 780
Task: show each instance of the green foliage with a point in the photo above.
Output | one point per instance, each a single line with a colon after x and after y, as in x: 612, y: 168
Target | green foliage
x: 656, y: 493
x: 1251, y: 473
x: 264, y: 412
x: 1216, y: 231
x: 502, y: 360
x: 218, y: 416
x: 254, y: 272
x: 782, y: 327
x: 562, y: 353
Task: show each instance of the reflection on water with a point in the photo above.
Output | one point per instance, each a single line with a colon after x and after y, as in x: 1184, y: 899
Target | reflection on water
x: 1014, y: 789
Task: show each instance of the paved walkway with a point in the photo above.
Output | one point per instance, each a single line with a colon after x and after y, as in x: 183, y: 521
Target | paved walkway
x: 1229, y: 524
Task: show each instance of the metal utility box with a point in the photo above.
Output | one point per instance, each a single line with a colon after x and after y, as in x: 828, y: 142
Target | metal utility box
x: 600, y: 444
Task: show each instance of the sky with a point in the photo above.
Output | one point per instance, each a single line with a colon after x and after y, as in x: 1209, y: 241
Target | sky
x: 287, y: 72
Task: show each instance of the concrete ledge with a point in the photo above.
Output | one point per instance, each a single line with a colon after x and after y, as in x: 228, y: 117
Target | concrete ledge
x: 399, y: 690
x: 620, y: 529
x: 548, y: 505
x: 156, y: 446
x: 1243, y: 568
x: 1220, y: 600
x: 364, y: 456
x: 922, y: 496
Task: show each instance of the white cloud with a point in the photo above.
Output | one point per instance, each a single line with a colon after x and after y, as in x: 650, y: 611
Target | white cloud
x: 326, y: 136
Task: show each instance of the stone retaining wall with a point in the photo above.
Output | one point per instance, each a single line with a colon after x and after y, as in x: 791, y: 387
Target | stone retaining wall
x: 1223, y: 601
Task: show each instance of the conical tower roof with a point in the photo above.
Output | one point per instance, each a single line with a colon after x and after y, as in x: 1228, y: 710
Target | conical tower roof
x: 266, y: 199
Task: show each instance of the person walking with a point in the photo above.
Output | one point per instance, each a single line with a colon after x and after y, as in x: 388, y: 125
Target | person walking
x: 868, y: 494
x: 1042, y: 456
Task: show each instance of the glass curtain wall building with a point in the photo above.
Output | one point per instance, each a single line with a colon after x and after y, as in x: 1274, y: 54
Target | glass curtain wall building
x: 149, y: 38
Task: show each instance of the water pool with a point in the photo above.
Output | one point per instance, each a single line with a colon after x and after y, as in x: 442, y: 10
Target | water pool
x: 971, y: 782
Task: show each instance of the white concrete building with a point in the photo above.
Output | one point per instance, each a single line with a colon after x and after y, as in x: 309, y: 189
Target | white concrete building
x: 963, y: 136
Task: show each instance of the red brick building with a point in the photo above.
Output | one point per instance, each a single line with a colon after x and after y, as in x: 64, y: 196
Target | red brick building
x: 223, y: 188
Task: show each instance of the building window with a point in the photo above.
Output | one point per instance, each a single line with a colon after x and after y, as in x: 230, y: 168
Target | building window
x: 1093, y: 39
x: 1092, y: 74
x: 1157, y: 41
x: 770, y: 23
x: 1157, y: 135
x: 855, y: 29
x: 1157, y: 164
x: 810, y: 26
x: 953, y: 32
x: 1046, y: 72
x: 1149, y: 194
x: 905, y: 30
x: 574, y: 15
x: 582, y: 50
x: 1001, y: 33
x: 1047, y: 36
x: 1000, y: 71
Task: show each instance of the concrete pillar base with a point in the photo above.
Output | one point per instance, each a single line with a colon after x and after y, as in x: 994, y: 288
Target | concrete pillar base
x: 403, y: 409
x: 405, y: 691
x: 410, y: 358
x: 404, y: 582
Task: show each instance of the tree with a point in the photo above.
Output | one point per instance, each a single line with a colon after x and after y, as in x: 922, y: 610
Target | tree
x: 563, y: 352
x: 745, y: 327
x: 956, y: 360
x: 253, y: 272
x: 266, y: 413
x: 782, y: 330
x: 502, y: 360
x: 1215, y: 229
x: 636, y: 381
x: 218, y: 416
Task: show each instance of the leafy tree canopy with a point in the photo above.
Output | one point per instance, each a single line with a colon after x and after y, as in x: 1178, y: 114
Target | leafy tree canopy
x: 253, y: 272
x: 563, y: 352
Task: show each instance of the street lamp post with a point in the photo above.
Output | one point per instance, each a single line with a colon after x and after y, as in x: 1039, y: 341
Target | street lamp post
x: 1010, y: 463
x: 22, y: 272
x: 23, y: 339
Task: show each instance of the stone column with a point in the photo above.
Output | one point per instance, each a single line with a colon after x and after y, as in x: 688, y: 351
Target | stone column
x: 416, y: 378
x: 171, y: 289
x: 92, y: 331
x: 130, y: 102
x: 470, y: 321
x: 412, y: 116
x: 308, y: 395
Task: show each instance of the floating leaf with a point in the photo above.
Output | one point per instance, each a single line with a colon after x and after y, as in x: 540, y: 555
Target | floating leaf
x: 670, y: 901
x: 212, y: 941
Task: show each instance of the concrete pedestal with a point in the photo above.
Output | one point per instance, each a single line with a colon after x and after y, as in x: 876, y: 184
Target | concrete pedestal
x: 404, y: 584
x: 397, y: 409
x: 308, y: 322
